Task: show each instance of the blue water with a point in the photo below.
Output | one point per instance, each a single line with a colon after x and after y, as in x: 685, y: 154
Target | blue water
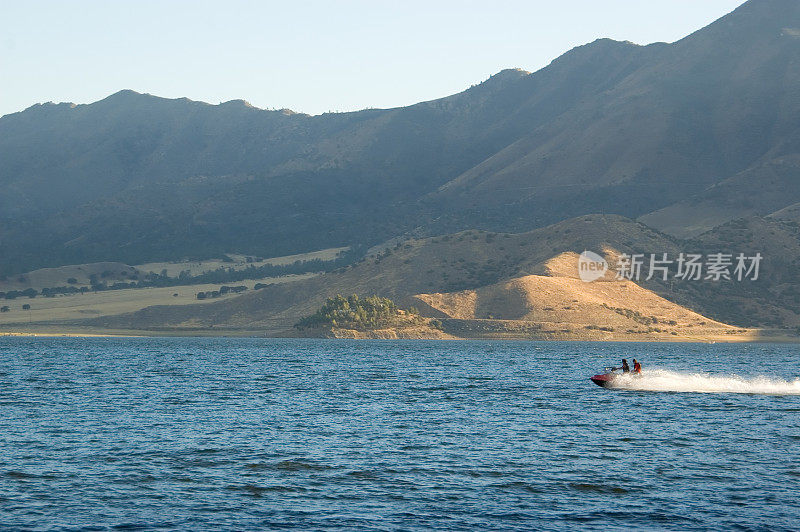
x: 409, y: 435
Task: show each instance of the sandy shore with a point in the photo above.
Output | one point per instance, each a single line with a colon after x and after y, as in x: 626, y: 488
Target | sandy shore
x: 69, y: 335
x: 44, y: 331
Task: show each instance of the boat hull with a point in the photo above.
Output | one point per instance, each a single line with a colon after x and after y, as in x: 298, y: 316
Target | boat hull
x: 603, y: 380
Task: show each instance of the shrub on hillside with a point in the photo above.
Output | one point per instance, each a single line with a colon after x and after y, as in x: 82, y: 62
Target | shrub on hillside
x: 361, y: 314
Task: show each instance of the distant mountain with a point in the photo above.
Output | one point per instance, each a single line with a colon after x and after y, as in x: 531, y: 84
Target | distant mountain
x: 677, y: 124
x: 686, y: 136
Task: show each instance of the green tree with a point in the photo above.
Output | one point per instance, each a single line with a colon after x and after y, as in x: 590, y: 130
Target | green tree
x: 355, y: 313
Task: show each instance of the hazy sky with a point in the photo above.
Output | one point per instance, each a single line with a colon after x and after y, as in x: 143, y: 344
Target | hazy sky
x: 310, y: 56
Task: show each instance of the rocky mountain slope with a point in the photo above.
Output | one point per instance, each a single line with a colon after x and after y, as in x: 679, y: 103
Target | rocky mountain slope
x: 687, y: 135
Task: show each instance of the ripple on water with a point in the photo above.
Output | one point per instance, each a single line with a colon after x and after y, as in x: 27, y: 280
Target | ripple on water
x: 300, y: 464
x: 252, y: 434
x: 588, y: 487
x: 519, y: 486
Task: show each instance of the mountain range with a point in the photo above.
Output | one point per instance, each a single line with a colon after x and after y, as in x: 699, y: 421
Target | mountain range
x: 684, y: 136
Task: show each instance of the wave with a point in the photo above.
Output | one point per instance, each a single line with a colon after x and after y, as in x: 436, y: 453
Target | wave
x: 658, y: 380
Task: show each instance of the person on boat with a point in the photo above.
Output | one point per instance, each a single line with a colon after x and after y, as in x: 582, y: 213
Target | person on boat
x: 625, y: 367
x: 637, y: 368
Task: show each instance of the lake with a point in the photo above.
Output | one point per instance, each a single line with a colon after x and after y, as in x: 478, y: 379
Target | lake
x: 199, y: 433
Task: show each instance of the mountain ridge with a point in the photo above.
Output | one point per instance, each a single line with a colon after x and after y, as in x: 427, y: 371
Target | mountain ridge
x: 610, y: 127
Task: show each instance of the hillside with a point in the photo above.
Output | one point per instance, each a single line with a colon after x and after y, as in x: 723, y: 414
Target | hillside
x: 680, y: 134
x: 692, y: 115
x: 518, y: 285
x: 775, y: 179
x: 559, y: 305
x: 774, y: 299
x: 455, y: 262
x: 369, y: 317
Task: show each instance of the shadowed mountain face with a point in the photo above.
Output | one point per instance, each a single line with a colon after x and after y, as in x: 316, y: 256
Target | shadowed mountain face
x: 690, y: 132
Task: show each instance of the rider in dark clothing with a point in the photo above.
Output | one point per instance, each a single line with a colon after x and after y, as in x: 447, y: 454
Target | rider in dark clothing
x: 625, y: 367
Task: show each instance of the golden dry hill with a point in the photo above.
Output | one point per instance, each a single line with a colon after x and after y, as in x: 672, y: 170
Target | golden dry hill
x: 559, y: 305
x: 492, y: 285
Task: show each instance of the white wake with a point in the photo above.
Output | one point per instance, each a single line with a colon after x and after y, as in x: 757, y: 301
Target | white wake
x: 658, y: 380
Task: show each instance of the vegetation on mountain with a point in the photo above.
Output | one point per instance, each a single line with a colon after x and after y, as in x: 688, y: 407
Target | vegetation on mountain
x: 14, y: 294
x: 212, y: 294
x: 360, y: 314
x: 136, y: 279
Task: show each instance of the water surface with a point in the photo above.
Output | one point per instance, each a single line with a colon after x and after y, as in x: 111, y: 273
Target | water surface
x: 189, y: 433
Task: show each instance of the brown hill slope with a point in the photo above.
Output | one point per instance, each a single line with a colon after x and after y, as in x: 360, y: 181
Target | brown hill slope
x: 563, y: 306
x: 775, y: 183
x: 526, y: 277
x: 80, y: 275
x: 771, y: 301
x: 452, y: 262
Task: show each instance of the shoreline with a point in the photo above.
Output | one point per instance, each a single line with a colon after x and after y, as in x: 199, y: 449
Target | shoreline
x: 67, y: 335
x: 757, y: 336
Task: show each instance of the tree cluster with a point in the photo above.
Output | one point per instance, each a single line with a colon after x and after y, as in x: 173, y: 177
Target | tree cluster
x: 361, y: 314
x: 14, y: 294
x: 220, y: 275
x: 221, y: 292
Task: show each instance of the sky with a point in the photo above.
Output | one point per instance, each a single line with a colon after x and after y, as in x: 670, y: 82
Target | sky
x: 309, y: 56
